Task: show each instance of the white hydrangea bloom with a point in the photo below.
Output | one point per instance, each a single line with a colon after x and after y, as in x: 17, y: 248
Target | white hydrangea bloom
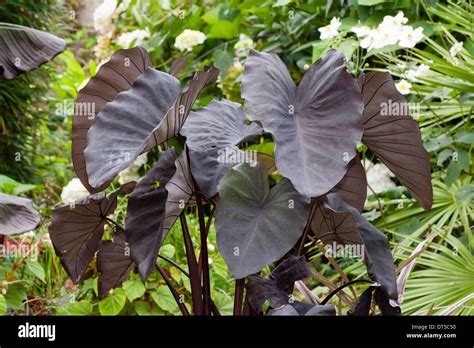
x: 123, y: 6
x: 103, y: 15
x: 131, y: 173
x: 371, y: 40
x: 403, y: 86
x: 378, y: 177
x: 456, y: 49
x: 409, y: 37
x: 73, y: 191
x: 331, y: 30
x: 135, y: 37
x: 243, y: 46
x: 188, y: 39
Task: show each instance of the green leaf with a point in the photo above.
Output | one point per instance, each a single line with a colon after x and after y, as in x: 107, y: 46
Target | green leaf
x: 3, y: 305
x: 113, y: 304
x: 35, y: 267
x: 280, y: 3
x: 133, y: 289
x: 443, y: 156
x: 372, y: 2
x: 15, y: 297
x: 167, y: 250
x: 347, y: 47
x: 223, y: 60
x: 442, y: 141
x: 83, y: 307
x: 456, y: 166
x: 319, y: 49
x: 465, y: 137
x: 164, y: 299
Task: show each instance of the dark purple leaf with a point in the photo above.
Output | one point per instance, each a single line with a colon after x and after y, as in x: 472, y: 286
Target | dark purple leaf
x: 392, y: 135
x: 17, y: 215
x: 213, y: 134
x: 316, y: 126
x: 146, y: 115
x: 377, y: 254
x: 353, y: 186
x: 115, y: 76
x: 331, y: 226
x: 23, y: 49
x: 179, y: 64
x: 77, y: 229
x: 114, y: 263
x: 257, y: 225
x: 276, y: 287
x: 363, y: 303
x: 154, y: 206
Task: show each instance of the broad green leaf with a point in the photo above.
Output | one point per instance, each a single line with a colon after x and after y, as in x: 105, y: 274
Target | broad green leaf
x: 164, y: 299
x: 167, y: 250
x: 372, y: 2
x: 15, y: 297
x: 113, y: 304
x: 133, y: 289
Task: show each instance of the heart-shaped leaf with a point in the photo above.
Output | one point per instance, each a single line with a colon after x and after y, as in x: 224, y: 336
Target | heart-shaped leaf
x: 113, y: 77
x: 353, y: 186
x: 257, y: 225
x: 152, y: 210
x: 114, y: 263
x: 213, y: 134
x: 377, y: 254
x: 149, y: 113
x: 23, y: 49
x: 77, y: 229
x: 316, y: 126
x: 17, y: 215
x: 392, y: 135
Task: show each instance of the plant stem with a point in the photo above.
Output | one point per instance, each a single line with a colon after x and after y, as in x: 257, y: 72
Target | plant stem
x: 196, y: 290
x: 335, y: 291
x: 208, y: 226
x: 173, y: 290
x: 239, y: 295
x: 299, y: 250
x: 205, y: 260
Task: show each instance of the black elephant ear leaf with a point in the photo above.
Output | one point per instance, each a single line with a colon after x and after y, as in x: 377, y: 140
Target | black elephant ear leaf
x: 331, y: 226
x: 213, y: 133
x: 255, y: 225
x: 353, y: 186
x: 285, y: 310
x: 377, y: 254
x: 316, y: 126
x: 394, y: 136
x: 179, y: 64
x: 180, y: 189
x: 294, y: 268
x: 77, y: 229
x: 115, y: 76
x: 23, y: 49
x: 17, y: 215
x: 114, y: 263
x: 387, y: 306
x: 153, y: 210
x: 277, y: 286
x: 363, y: 303
x: 149, y: 113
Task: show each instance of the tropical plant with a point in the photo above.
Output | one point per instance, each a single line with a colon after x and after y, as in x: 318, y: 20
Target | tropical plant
x: 259, y: 217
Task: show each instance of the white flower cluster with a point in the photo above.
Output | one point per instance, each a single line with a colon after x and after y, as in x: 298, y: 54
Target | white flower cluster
x: 131, y: 173
x: 331, y: 30
x: 104, y: 16
x: 135, y: 37
x: 188, y: 39
x: 378, y: 177
x: 243, y: 46
x: 73, y: 191
x: 391, y: 31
